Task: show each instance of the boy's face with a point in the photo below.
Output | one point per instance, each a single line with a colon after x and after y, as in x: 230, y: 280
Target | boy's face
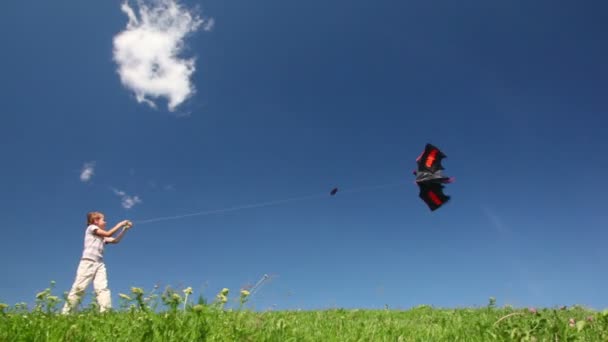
x: 101, y: 222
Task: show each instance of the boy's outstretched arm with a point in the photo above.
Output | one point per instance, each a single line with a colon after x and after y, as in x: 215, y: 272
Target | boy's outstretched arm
x: 109, y: 233
x: 117, y: 238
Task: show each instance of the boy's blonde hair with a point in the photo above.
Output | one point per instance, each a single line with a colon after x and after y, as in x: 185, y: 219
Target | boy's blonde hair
x: 93, y: 216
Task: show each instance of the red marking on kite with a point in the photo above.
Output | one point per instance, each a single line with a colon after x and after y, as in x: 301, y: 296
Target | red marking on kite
x: 434, y: 198
x: 431, y: 158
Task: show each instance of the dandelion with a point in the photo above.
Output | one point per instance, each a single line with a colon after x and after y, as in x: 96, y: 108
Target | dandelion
x: 172, y: 299
x: 492, y: 302
x: 21, y: 306
x: 139, y: 294
x: 244, y: 295
x: 198, y: 308
x: 137, y: 290
x: 187, y: 292
x: 222, y: 298
x: 124, y: 296
x: 2, y: 307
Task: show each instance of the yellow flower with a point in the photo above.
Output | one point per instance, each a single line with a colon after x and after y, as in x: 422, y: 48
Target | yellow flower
x: 3, y: 306
x: 224, y: 291
x: 176, y: 297
x: 137, y: 290
x: 188, y: 291
x: 198, y: 308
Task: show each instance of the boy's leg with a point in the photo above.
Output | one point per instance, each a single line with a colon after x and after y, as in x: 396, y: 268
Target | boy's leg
x: 84, y: 275
x: 100, y: 283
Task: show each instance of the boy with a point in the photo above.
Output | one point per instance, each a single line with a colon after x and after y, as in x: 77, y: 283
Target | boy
x: 91, y: 266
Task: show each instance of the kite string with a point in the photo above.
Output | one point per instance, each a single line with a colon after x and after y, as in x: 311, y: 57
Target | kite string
x: 240, y: 207
x: 262, y: 204
x: 372, y: 187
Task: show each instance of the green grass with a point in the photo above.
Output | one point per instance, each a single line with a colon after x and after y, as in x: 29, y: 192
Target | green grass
x: 171, y: 316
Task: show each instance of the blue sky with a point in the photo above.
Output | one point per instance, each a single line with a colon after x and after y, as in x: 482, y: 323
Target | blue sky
x: 292, y: 99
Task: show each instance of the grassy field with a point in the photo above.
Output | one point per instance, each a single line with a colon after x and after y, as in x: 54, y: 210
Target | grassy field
x: 173, y: 316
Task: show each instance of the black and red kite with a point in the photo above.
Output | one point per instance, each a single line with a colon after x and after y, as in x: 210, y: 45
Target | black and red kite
x: 430, y: 179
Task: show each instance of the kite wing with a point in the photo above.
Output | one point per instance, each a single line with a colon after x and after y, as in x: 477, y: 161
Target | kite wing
x: 432, y: 194
x: 430, y: 159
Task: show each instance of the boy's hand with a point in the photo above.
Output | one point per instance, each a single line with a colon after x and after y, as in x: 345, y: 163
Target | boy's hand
x: 126, y: 223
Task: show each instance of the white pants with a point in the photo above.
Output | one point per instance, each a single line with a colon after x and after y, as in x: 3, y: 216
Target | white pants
x: 88, y: 271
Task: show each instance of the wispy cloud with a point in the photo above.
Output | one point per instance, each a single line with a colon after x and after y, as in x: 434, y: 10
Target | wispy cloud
x: 127, y: 201
x: 496, y: 222
x: 526, y: 277
x: 167, y: 187
x: 208, y: 24
x: 87, y: 171
x: 147, y: 51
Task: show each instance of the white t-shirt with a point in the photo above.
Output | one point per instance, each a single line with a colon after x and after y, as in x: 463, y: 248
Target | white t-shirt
x: 93, y: 244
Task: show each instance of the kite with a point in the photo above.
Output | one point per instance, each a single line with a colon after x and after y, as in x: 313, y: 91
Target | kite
x: 430, y: 179
x: 334, y: 191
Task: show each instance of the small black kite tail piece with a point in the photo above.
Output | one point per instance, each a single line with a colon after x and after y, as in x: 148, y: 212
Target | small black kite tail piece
x: 432, y: 194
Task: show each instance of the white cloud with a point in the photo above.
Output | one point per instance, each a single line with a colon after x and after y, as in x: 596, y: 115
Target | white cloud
x: 87, y: 171
x: 147, y: 51
x: 127, y: 201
